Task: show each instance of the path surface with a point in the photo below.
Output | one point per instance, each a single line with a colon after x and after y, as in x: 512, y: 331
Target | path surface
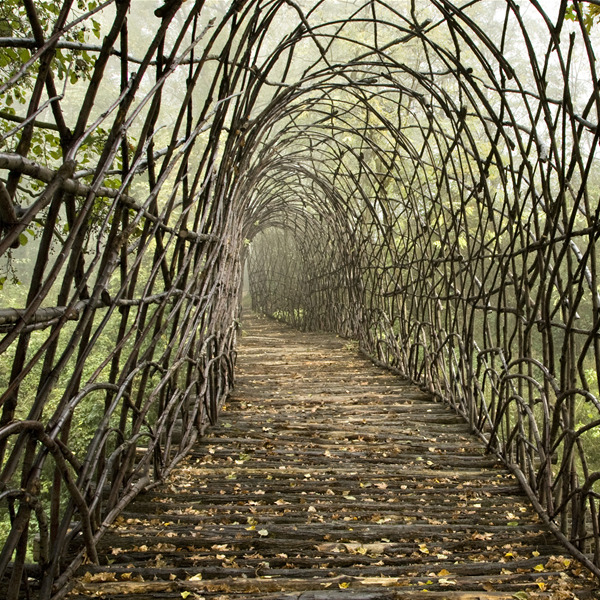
x: 330, y: 478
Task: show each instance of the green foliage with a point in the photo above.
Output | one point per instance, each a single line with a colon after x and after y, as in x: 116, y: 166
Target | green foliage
x: 590, y: 14
x: 71, y: 68
x: 68, y: 65
x: 71, y: 63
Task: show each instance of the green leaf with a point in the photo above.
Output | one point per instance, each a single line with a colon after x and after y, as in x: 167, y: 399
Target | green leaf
x: 23, y: 239
x: 113, y: 183
x: 96, y: 28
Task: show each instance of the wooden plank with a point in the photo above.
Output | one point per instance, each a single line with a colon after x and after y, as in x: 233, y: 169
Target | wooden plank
x: 351, y: 493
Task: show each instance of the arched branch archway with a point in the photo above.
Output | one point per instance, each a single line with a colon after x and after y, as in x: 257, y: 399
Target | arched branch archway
x: 415, y: 174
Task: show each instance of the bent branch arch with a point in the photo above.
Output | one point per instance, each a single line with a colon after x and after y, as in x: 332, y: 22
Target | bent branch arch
x: 418, y: 175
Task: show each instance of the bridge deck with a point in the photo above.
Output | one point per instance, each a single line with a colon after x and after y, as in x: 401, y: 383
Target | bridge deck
x: 328, y: 477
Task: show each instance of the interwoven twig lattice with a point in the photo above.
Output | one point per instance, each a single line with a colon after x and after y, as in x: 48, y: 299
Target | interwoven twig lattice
x: 417, y: 174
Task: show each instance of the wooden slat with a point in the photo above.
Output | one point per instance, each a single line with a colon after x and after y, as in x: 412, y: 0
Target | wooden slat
x: 313, y: 488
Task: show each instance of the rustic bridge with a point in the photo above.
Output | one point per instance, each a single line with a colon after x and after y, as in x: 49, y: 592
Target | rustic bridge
x: 418, y: 177
x: 329, y: 477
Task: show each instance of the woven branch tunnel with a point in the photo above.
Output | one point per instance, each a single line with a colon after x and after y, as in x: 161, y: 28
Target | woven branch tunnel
x: 419, y: 175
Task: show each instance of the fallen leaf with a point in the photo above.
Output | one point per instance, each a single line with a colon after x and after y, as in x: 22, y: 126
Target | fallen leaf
x: 98, y: 577
x: 221, y: 547
x: 482, y: 536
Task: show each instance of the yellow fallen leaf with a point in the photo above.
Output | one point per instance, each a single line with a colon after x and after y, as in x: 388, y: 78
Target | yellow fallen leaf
x: 185, y: 594
x: 220, y: 547
x: 443, y: 573
x: 197, y: 577
x: 344, y: 584
x: 538, y: 568
x: 98, y: 577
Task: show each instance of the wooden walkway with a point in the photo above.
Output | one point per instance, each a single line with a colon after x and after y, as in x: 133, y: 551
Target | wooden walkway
x: 330, y: 478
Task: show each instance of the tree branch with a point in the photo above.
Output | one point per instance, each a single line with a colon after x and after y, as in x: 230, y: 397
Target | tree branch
x: 16, y: 162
